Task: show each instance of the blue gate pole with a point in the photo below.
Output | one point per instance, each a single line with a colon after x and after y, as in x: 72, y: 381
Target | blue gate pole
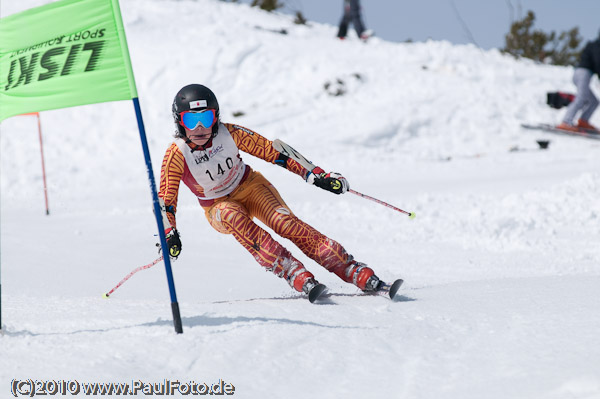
x: 159, y: 222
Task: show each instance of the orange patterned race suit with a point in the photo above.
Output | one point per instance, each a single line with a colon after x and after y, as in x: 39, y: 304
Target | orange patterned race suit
x: 246, y: 194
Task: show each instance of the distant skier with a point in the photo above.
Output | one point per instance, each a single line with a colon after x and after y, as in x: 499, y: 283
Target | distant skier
x: 205, y: 156
x: 585, y: 100
x: 352, y: 13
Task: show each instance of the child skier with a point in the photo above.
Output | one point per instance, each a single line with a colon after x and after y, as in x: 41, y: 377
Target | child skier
x: 205, y: 156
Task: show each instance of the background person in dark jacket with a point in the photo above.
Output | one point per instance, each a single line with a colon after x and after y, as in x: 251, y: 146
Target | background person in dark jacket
x: 585, y: 100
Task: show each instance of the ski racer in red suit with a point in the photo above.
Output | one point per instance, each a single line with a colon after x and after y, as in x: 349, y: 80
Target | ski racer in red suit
x: 206, y: 157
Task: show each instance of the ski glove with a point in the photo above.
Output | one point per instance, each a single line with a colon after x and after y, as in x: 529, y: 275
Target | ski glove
x: 331, y: 181
x: 173, y: 242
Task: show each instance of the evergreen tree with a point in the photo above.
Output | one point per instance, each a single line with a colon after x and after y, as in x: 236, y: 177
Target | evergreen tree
x: 523, y: 41
x: 267, y: 5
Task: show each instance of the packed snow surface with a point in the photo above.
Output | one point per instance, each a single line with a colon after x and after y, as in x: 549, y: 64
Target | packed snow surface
x: 501, y: 265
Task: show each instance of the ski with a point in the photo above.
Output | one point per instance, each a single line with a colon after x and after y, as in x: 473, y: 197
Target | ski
x: 389, y: 290
x: 316, y: 292
x: 589, y: 134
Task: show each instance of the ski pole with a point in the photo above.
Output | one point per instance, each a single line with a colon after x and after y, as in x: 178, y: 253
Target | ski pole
x: 411, y: 215
x: 148, y: 266
x: 289, y: 151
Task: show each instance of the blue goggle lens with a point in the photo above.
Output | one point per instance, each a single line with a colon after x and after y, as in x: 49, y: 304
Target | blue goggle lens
x: 191, y: 120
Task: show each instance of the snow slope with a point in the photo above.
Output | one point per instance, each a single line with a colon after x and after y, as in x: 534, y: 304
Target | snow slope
x: 501, y: 265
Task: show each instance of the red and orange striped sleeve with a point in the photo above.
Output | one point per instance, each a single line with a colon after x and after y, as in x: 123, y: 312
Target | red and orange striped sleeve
x: 261, y: 147
x: 171, y: 173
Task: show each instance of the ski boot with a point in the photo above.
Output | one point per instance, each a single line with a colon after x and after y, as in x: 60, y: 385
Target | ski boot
x: 587, y: 126
x: 568, y: 127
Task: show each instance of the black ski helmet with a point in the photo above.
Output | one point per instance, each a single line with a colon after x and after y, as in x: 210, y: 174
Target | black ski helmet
x: 194, y: 97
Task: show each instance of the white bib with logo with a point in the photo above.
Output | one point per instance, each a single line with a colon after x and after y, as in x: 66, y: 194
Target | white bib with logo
x: 218, y: 169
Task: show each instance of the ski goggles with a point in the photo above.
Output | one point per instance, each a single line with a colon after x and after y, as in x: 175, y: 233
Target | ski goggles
x: 192, y: 119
